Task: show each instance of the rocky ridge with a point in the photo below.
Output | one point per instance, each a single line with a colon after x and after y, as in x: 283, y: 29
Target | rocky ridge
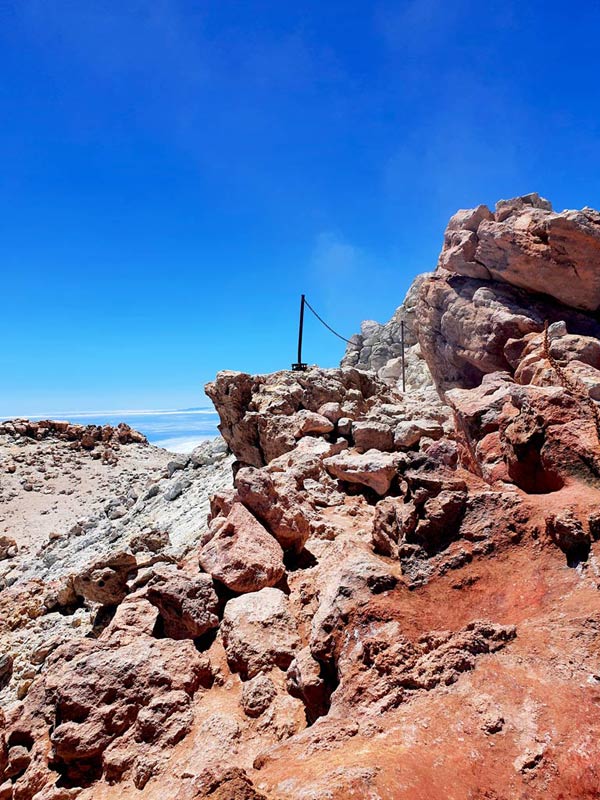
x: 397, y: 596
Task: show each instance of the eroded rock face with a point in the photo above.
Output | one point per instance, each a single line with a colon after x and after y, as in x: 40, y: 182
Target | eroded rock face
x: 105, y: 581
x: 464, y: 325
x: 526, y: 244
x: 535, y: 437
x: 378, y: 348
x: 500, y: 277
x: 262, y: 416
x: 112, y: 705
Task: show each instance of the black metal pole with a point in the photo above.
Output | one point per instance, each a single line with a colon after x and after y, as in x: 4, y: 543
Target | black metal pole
x: 301, y: 329
x: 403, y: 360
x: 299, y: 366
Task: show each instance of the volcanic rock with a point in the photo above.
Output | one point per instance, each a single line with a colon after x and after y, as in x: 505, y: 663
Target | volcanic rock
x: 425, y: 632
x: 188, y: 606
x: 259, y: 632
x: 8, y: 547
x: 105, y: 581
x: 241, y: 554
x: 528, y: 245
x: 257, y: 695
x: 249, y: 406
x: 275, y: 499
x: 372, y: 469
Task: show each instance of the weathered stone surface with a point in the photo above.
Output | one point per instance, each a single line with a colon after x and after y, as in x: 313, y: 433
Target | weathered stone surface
x: 249, y: 407
x: 6, y: 669
x: 112, y: 706
x: 528, y: 245
x: 393, y: 668
x: 259, y: 632
x: 241, y: 554
x: 394, y: 519
x: 8, y: 547
x: 188, y: 606
x: 568, y: 533
x: 275, y: 500
x: 372, y: 469
x: 536, y: 437
x: 464, y: 325
x: 379, y: 347
x: 349, y: 584
x: 106, y: 581
x: 410, y: 432
x: 219, y: 783
x: 257, y: 695
x: 369, y: 434
x: 304, y: 680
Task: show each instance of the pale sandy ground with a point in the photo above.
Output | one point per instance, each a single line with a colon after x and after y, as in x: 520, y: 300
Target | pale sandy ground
x: 66, y: 484
x: 66, y: 510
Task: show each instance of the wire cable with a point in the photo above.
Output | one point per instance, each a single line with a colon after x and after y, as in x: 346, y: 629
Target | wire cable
x: 329, y: 328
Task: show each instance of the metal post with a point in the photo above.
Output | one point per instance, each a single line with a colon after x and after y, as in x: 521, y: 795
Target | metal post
x: 300, y: 366
x: 403, y: 360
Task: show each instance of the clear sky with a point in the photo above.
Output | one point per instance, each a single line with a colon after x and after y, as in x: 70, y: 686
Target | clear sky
x: 175, y: 173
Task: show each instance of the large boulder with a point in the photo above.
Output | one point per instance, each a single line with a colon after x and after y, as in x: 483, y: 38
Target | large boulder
x: 373, y: 469
x: 526, y: 244
x: 241, y: 554
x: 259, y: 632
x: 500, y: 277
x: 188, y: 605
x: 277, y: 501
x: 110, y: 707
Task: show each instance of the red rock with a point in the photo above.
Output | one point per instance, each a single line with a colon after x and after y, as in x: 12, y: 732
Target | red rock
x: 188, y: 606
x: 304, y: 680
x: 372, y: 469
x: 241, y: 554
x: 275, y: 500
x: 105, y: 581
x: 259, y: 632
x: 527, y: 245
x: 257, y: 695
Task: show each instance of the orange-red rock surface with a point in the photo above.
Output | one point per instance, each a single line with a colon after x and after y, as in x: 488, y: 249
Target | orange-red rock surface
x: 397, y: 599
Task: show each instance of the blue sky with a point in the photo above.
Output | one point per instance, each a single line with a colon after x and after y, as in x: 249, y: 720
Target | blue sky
x: 175, y: 173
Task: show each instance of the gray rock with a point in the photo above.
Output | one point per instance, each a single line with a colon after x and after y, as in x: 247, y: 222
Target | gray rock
x: 178, y: 463
x: 174, y: 491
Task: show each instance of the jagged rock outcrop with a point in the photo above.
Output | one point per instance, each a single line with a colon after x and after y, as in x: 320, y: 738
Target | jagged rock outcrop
x: 84, y: 437
x: 378, y: 348
x: 500, y: 276
x: 525, y: 243
x: 262, y: 416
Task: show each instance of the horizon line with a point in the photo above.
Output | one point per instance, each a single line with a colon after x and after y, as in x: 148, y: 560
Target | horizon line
x: 65, y: 416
